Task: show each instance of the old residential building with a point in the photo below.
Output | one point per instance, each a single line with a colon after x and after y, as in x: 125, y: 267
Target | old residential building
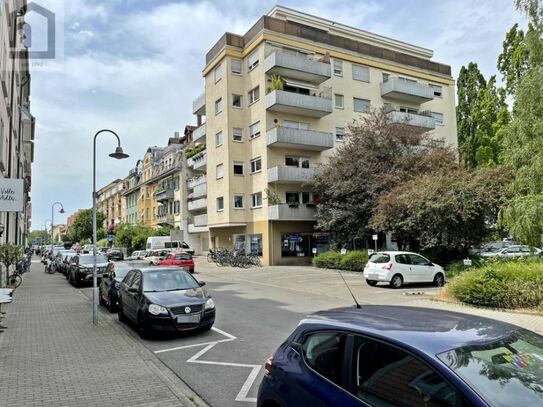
x: 277, y: 101
x: 110, y: 201
x: 16, y: 122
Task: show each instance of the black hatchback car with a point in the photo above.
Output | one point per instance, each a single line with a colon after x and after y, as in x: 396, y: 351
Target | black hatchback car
x: 115, y: 254
x: 165, y: 299
x: 81, y: 268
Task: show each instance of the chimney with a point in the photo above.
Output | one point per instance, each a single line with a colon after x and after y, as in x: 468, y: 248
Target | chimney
x: 176, y: 134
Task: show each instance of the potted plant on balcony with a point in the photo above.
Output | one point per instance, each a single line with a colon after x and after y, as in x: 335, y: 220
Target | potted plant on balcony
x: 277, y: 83
x: 293, y: 204
x: 273, y: 196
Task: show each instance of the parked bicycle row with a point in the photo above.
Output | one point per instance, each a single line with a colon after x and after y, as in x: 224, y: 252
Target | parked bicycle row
x: 233, y: 258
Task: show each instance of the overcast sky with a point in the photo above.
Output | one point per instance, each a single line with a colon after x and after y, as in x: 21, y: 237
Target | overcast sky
x: 134, y: 66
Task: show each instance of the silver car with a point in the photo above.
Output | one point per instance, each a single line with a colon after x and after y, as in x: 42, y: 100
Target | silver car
x: 513, y: 251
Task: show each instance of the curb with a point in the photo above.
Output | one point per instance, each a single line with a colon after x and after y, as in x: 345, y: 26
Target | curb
x: 186, y: 395
x: 511, y: 311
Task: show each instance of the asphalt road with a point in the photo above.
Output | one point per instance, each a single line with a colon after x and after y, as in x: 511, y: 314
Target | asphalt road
x: 256, y: 310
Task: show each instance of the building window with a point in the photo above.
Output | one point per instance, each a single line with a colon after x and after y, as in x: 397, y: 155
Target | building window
x: 338, y: 67
x: 338, y: 101
x: 218, y: 73
x: 218, y: 106
x: 220, y: 204
x: 386, y: 76
x: 438, y: 90
x: 254, y: 130
x: 292, y: 198
x: 235, y: 66
x: 408, y: 110
x: 237, y: 134
x: 252, y: 61
x: 361, y: 105
x: 238, y: 201
x: 340, y: 133
x: 256, y: 200
x: 361, y: 73
x: 438, y: 117
x: 238, y: 168
x: 254, y: 94
x: 256, y: 165
x: 177, y: 207
x: 296, y: 125
x: 293, y: 161
x: 236, y: 101
x: 218, y: 139
x: 295, y: 245
x: 220, y: 171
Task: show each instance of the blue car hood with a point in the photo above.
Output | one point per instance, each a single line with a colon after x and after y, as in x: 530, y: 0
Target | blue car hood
x: 181, y: 297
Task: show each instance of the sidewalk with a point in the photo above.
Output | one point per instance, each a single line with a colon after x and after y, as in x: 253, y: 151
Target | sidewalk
x: 52, y: 355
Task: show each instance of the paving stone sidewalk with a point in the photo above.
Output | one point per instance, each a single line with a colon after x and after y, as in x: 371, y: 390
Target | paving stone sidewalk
x: 52, y: 355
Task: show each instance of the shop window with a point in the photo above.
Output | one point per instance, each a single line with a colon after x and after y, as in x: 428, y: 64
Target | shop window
x: 295, y: 245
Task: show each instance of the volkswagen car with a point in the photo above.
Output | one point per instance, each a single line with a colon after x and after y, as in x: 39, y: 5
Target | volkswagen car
x: 159, y: 299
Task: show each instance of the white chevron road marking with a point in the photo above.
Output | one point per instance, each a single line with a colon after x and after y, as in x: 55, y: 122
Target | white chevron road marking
x: 242, y: 395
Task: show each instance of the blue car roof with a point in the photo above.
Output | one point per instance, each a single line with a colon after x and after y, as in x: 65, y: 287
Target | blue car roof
x: 428, y: 330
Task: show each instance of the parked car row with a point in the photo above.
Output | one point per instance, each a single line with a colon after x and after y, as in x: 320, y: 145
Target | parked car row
x: 164, y: 257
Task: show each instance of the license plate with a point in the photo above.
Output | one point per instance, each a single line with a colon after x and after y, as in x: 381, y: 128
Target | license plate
x: 188, y: 319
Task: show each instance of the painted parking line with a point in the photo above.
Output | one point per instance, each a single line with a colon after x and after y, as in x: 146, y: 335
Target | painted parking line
x: 255, y: 369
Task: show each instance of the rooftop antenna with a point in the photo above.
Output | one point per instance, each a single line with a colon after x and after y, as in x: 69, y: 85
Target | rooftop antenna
x: 349, y: 288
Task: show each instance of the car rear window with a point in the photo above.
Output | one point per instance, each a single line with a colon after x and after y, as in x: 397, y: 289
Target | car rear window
x: 379, y: 258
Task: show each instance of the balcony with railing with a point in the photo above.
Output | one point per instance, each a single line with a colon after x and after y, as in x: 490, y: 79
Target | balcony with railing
x: 197, y: 161
x: 197, y: 204
x: 293, y: 212
x: 164, y: 195
x: 421, y: 122
x: 199, y: 133
x: 163, y: 219
x: 299, y: 66
x: 199, y: 105
x: 290, y: 174
x: 200, y: 190
x: 286, y: 137
x: 191, y: 183
x: 317, y: 103
x: 409, y: 91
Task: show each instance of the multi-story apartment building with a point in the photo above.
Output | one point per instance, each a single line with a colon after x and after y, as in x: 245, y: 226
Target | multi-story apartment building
x: 278, y: 100
x: 110, y: 201
x: 16, y: 121
x: 132, y: 194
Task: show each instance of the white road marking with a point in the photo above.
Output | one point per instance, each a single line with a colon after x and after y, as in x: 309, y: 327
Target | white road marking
x: 242, y: 395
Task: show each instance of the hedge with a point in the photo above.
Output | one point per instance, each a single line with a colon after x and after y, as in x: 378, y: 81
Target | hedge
x: 501, y: 284
x: 353, y: 260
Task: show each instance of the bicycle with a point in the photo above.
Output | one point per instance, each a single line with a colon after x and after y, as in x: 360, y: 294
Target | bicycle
x: 17, y: 277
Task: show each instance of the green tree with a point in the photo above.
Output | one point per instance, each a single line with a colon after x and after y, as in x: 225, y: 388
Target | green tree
x: 513, y: 62
x: 134, y: 237
x: 470, y: 83
x: 375, y: 157
x: 38, y: 235
x: 523, y: 139
x: 444, y: 212
x: 10, y: 254
x: 533, y: 39
x: 82, y: 227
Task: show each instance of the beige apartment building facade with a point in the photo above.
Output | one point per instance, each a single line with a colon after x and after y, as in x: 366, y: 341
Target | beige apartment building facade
x: 263, y: 142
x: 16, y: 122
x: 110, y: 201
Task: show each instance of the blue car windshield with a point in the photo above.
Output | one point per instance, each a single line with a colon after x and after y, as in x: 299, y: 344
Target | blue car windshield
x: 508, y: 372
x: 168, y: 280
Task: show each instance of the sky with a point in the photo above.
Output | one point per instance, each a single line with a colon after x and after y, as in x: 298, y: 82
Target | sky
x: 135, y: 66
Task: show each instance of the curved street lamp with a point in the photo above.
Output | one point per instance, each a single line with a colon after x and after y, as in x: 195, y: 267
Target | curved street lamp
x: 118, y: 154
x: 53, y: 220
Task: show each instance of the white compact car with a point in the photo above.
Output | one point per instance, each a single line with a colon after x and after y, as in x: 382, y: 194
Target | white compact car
x: 153, y: 257
x: 398, y: 268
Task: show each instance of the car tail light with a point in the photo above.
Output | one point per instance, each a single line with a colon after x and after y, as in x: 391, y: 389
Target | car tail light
x: 268, y: 366
x: 388, y: 266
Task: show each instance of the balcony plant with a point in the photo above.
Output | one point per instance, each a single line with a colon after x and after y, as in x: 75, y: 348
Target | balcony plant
x: 277, y: 83
x: 191, y: 152
x: 273, y: 196
x: 293, y: 204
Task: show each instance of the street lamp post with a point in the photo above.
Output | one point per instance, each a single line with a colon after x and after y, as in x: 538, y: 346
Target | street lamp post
x: 53, y: 221
x: 117, y: 154
x: 46, y: 232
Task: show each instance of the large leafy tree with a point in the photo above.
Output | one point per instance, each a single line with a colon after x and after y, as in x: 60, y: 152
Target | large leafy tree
x: 81, y: 229
x: 444, y: 212
x: 375, y: 157
x: 513, y: 62
x: 134, y: 237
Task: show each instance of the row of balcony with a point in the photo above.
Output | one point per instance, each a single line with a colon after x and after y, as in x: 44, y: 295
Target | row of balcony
x: 199, y: 133
x: 198, y: 161
x: 191, y: 183
x: 288, y: 212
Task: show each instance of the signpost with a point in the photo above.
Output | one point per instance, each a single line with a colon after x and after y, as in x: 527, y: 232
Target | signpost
x: 11, y: 195
x: 375, y: 237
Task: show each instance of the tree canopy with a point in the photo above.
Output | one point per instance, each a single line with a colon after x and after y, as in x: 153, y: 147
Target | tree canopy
x: 81, y: 230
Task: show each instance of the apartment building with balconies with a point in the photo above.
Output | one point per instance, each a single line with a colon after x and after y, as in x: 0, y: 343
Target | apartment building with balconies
x: 111, y: 203
x: 132, y: 193
x: 278, y: 100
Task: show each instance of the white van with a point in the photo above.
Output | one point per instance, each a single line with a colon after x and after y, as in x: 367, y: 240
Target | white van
x: 157, y: 242
x: 179, y: 246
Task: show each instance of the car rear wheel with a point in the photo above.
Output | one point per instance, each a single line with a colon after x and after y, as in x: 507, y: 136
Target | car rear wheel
x: 439, y: 280
x: 373, y: 283
x: 396, y: 281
